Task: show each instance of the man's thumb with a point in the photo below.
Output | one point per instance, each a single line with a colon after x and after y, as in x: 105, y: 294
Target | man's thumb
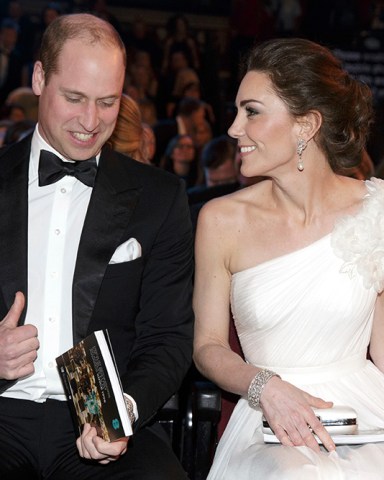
x: 12, y: 317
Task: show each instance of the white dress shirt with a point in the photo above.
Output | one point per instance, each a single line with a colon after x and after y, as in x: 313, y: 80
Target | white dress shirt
x: 55, y: 220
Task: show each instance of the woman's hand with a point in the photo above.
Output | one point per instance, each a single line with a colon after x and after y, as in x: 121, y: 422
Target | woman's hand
x: 92, y: 447
x: 289, y: 414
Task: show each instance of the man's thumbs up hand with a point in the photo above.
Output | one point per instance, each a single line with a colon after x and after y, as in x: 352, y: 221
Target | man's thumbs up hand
x: 18, y: 345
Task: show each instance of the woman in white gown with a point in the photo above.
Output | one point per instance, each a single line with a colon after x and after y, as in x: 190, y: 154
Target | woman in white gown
x: 299, y: 259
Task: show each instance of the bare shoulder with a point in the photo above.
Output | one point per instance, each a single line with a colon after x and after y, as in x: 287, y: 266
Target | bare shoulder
x: 233, y: 209
x: 351, y: 194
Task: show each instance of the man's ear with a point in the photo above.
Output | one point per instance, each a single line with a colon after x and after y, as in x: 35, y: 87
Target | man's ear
x: 38, y: 78
x: 309, y: 124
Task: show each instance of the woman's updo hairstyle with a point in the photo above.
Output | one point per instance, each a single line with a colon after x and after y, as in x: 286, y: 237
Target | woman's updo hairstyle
x: 307, y: 76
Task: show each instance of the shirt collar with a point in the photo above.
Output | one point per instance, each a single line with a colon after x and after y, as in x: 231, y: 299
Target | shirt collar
x: 38, y: 143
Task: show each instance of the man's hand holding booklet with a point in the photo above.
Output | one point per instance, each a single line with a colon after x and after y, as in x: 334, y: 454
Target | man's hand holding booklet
x: 92, y: 384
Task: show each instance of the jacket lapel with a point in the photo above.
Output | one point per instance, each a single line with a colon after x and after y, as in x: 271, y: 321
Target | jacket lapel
x: 113, y: 200
x: 14, y: 164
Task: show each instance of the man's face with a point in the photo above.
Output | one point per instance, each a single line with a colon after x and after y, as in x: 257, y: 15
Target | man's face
x: 224, y: 174
x: 8, y: 38
x: 79, y: 105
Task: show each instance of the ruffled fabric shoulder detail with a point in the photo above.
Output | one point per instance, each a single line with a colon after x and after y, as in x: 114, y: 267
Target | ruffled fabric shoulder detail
x: 359, y: 239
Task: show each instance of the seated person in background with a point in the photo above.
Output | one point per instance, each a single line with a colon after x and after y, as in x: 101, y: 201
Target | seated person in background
x: 298, y: 260
x: 148, y: 143
x: 11, y: 59
x: 17, y: 131
x: 5, y: 123
x: 128, y: 137
x: 148, y: 111
x: 184, y: 77
x: 26, y: 99
x: 190, y: 113
x: 218, y: 161
x: 180, y: 159
x: 202, y: 134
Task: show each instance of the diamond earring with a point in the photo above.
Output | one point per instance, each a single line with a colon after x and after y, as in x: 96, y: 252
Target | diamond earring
x: 301, y: 146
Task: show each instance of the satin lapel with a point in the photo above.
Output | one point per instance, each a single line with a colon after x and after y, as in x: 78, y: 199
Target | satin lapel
x: 14, y: 221
x: 113, y: 199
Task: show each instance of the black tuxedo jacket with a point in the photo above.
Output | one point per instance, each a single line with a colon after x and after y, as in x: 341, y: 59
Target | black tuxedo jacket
x: 144, y: 303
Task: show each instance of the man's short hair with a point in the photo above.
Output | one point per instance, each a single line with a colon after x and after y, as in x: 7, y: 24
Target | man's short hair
x: 217, y: 151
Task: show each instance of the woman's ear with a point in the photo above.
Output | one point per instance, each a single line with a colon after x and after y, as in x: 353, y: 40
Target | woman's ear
x: 309, y: 124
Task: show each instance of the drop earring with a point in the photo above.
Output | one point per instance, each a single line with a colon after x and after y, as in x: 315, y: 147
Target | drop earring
x: 301, y: 146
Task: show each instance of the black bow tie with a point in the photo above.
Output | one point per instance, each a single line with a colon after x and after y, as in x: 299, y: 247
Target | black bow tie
x: 52, y: 169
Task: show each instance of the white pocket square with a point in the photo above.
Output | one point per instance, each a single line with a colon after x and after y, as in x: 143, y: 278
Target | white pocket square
x: 127, y: 251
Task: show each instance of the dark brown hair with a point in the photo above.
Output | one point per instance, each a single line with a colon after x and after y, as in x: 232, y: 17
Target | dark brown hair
x: 307, y: 76
x: 88, y: 28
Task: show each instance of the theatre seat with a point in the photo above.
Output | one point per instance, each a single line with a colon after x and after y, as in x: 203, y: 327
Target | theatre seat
x: 190, y: 418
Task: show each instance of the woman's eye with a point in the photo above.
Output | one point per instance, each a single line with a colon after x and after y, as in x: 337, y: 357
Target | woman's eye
x: 251, y: 111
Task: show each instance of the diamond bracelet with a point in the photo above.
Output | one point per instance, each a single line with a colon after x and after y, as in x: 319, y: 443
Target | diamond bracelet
x: 256, y: 386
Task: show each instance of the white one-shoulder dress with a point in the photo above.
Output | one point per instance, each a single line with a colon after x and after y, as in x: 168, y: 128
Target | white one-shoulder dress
x: 308, y: 316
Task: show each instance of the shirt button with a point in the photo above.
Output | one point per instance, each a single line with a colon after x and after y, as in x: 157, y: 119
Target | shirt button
x: 63, y: 190
x: 51, y: 320
x: 57, y: 231
x: 50, y: 365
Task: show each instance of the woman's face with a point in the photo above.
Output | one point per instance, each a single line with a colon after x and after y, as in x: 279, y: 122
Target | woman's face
x: 265, y: 130
x: 184, y: 150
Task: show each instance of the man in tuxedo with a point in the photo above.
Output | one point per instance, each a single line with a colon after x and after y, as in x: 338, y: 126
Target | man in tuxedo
x: 90, y: 239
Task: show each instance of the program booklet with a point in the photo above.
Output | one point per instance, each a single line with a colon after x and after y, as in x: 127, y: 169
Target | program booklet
x: 93, y: 387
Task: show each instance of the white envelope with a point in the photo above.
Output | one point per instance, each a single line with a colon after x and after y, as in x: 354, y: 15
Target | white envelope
x: 127, y: 251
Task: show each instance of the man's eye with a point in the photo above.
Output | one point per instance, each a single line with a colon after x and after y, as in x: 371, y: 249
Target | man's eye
x: 73, y: 99
x: 108, y: 104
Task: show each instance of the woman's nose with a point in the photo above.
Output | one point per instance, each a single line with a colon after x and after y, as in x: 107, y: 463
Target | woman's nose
x: 235, y: 130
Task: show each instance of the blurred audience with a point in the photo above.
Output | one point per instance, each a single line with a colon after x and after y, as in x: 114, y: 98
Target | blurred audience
x: 17, y: 13
x: 218, y: 162
x: 221, y: 170
x: 17, y: 130
x: 180, y: 39
x: 100, y: 8
x: 12, y: 112
x: 148, y: 144
x: 129, y: 136
x: 25, y: 99
x: 11, y: 59
x: 141, y: 76
x: 178, y: 62
x: 169, y: 64
x: 288, y: 16
x: 142, y: 37
x: 180, y: 159
x: 190, y: 113
x: 148, y: 111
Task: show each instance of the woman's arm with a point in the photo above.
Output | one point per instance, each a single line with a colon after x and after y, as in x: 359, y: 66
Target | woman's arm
x: 212, y: 353
x: 287, y: 408
x: 376, y: 348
